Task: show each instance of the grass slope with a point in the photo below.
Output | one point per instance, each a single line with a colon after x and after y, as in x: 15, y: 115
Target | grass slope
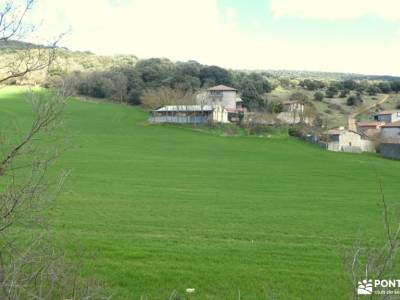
x: 166, y: 208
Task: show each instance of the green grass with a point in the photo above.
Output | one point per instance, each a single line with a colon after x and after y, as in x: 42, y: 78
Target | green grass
x: 164, y: 208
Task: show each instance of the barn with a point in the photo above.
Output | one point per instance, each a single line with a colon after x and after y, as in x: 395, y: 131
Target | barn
x: 190, y: 114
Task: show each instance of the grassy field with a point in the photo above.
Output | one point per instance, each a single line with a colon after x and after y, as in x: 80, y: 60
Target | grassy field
x: 163, y: 208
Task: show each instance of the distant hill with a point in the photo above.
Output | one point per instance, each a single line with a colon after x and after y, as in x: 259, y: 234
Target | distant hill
x: 69, y: 60
x: 328, y: 75
x: 66, y: 60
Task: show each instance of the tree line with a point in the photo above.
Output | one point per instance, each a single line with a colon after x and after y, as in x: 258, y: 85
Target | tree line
x: 130, y: 83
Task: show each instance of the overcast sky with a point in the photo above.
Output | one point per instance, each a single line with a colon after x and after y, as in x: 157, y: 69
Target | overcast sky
x: 361, y: 36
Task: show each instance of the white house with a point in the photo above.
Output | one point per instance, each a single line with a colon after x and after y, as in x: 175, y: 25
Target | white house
x: 222, y: 95
x: 341, y: 139
x: 194, y: 114
x: 388, y: 116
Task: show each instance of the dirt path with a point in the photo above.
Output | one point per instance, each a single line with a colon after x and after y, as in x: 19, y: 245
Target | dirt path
x: 352, y: 117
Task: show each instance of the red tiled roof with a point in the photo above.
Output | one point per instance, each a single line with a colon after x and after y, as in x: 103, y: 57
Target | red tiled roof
x: 222, y: 88
x: 370, y: 124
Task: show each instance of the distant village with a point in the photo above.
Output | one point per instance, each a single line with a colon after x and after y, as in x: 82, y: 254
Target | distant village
x: 222, y: 104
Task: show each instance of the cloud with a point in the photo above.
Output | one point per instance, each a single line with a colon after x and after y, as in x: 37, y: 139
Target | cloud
x: 173, y: 28
x: 336, y: 9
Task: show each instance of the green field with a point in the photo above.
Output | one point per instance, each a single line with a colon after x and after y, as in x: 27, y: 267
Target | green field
x: 163, y: 208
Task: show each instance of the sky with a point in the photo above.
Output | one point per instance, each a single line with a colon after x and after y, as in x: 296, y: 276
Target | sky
x: 357, y: 36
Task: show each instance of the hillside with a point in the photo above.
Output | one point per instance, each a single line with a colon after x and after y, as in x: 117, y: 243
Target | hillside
x: 164, y: 208
x: 328, y: 75
x: 335, y: 111
x: 67, y: 61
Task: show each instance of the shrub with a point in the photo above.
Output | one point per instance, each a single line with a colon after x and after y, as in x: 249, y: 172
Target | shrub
x: 274, y: 107
x: 319, y: 96
x: 331, y: 92
x: 344, y: 93
x: 354, y: 100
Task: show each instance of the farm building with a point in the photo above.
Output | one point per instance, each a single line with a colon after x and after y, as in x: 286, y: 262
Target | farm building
x: 222, y: 95
x: 388, y: 116
x: 391, y: 131
x: 219, y: 104
x: 341, y: 139
x: 369, y: 128
x: 390, y: 140
x: 194, y: 114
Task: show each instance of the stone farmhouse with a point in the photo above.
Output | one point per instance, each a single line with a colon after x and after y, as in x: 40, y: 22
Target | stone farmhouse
x: 219, y: 104
x: 341, y: 139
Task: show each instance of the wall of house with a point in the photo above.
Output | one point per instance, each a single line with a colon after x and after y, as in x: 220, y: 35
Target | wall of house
x: 389, y: 118
x: 333, y: 146
x: 220, y: 115
x: 227, y: 99
x: 390, y: 133
x: 367, y: 146
x: 396, y: 117
x: 384, y: 118
x: 390, y: 150
x: 349, y: 139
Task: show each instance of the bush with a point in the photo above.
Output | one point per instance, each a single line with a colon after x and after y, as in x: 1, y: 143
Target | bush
x: 373, y: 90
x: 398, y: 105
x: 354, y: 100
x: 319, y: 96
x: 344, y: 93
x: 275, y: 107
x: 331, y: 92
x: 295, y: 131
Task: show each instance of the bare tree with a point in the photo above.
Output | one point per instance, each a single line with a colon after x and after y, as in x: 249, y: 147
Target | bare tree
x: 30, y: 266
x: 154, y: 98
x: 26, y: 58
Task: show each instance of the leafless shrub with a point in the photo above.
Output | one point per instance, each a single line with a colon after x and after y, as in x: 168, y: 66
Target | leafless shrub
x: 154, y: 98
x: 31, y: 267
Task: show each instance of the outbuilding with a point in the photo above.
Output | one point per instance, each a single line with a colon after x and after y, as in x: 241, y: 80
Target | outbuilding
x: 341, y: 139
x: 388, y: 116
x: 191, y: 114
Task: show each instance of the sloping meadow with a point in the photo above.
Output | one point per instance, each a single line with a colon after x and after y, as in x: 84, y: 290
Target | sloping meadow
x: 156, y: 209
